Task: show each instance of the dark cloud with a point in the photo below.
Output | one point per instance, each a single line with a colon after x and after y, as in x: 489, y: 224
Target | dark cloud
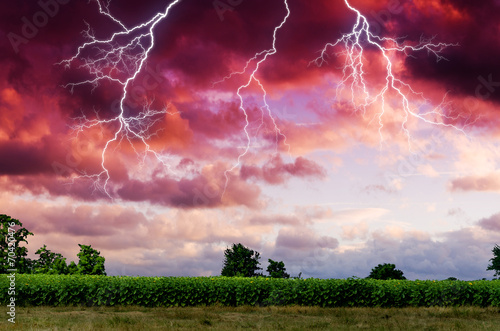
x: 471, y: 25
x: 29, y: 158
x: 199, y: 191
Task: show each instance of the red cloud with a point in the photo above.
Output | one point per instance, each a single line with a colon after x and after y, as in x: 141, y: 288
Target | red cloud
x: 489, y: 182
x: 275, y: 171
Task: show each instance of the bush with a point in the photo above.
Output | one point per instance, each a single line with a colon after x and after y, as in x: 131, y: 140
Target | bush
x: 54, y: 290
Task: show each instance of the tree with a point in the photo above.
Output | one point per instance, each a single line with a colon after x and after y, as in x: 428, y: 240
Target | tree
x: 495, y: 261
x: 12, y: 255
x: 240, y: 261
x: 386, y: 271
x: 277, y: 269
x: 90, y: 262
x: 72, y: 268
x: 49, y: 262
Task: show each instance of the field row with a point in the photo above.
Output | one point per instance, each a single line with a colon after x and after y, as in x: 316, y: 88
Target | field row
x: 62, y: 290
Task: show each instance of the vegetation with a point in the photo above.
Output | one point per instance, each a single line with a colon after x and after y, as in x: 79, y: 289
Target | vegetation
x: 495, y: 261
x: 386, y: 271
x: 61, y: 290
x: 240, y: 261
x: 49, y: 262
x: 268, y: 318
x: 277, y: 269
x: 13, y: 256
x: 90, y: 262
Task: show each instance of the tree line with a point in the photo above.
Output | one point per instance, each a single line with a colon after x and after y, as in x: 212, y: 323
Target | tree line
x: 239, y: 261
x: 13, y: 256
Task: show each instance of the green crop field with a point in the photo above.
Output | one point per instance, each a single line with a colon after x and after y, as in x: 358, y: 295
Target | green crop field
x: 63, y: 290
x: 76, y: 302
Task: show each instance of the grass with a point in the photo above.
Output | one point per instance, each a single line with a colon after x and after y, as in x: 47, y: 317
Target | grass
x: 242, y: 318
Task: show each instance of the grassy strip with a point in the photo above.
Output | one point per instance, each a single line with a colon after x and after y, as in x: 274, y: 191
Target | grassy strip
x: 62, y: 290
x: 265, y: 318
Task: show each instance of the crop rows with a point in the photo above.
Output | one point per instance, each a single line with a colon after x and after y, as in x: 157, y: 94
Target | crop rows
x: 62, y: 290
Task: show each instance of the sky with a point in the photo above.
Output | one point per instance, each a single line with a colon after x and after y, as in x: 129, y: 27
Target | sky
x: 330, y: 135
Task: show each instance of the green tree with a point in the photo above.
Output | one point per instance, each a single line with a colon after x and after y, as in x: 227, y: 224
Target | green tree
x: 495, y: 261
x: 90, y: 262
x: 277, y: 269
x: 49, y: 262
x: 240, y: 261
x: 72, y: 268
x: 386, y: 271
x: 12, y: 254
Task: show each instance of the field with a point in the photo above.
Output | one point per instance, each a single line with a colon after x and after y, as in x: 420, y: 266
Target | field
x: 64, y: 290
x: 260, y: 318
x: 76, y: 302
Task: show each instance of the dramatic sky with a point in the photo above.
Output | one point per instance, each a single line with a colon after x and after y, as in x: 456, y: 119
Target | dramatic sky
x: 162, y: 155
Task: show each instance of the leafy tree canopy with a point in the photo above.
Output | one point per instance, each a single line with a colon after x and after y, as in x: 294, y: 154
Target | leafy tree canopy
x: 495, y: 261
x: 12, y: 254
x: 386, y: 271
x: 240, y: 261
x: 90, y: 261
x: 277, y: 269
x: 49, y: 262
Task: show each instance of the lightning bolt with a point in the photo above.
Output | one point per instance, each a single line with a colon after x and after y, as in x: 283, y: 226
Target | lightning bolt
x: 354, y: 44
x: 259, y: 58
x: 119, y: 59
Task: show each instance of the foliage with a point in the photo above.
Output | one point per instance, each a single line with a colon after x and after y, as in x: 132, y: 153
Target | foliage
x: 62, y: 290
x: 72, y: 268
x: 90, y: 262
x: 240, y: 261
x: 12, y: 255
x: 495, y: 261
x: 386, y: 271
x: 277, y: 269
x: 49, y: 262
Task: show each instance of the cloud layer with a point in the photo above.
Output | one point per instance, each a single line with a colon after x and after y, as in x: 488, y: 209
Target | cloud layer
x: 214, y: 170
